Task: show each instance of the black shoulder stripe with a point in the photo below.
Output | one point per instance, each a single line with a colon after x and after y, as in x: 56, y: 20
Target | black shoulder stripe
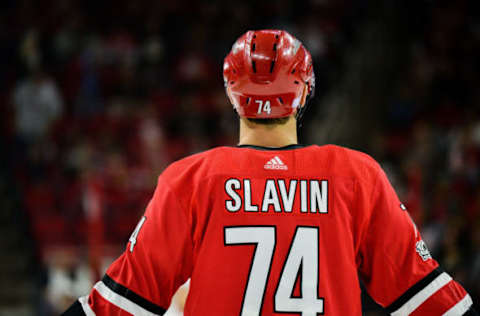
x: 471, y: 312
x: 420, y: 285
x: 74, y: 310
x: 132, y: 296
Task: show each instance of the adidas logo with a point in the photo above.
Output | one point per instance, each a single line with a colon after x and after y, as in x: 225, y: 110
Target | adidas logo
x: 275, y: 164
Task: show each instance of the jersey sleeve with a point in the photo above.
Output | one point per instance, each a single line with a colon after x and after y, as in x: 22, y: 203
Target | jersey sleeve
x: 156, y: 261
x: 396, y: 266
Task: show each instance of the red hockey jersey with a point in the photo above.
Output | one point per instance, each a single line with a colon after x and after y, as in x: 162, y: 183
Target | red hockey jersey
x: 284, y: 231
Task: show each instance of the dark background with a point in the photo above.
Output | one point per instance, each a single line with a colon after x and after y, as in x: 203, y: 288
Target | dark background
x: 97, y: 97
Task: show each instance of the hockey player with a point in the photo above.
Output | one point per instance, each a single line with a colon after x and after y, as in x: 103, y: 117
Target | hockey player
x: 271, y: 227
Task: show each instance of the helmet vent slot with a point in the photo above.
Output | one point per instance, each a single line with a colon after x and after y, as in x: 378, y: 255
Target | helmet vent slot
x: 296, y: 82
x: 271, y: 66
x: 275, y: 46
x: 253, y: 47
x: 248, y: 100
x: 254, y: 66
x: 293, y: 71
x: 280, y: 100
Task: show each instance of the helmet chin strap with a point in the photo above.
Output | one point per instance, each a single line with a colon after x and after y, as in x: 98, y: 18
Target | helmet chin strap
x: 303, y: 107
x: 299, y: 115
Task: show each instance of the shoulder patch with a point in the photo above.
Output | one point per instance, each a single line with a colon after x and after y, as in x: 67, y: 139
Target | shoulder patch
x: 422, y: 250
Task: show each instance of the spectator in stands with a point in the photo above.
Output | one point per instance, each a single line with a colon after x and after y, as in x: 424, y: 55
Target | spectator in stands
x: 37, y: 104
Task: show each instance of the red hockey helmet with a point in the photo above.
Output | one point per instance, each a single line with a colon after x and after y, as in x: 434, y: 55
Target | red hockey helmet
x: 267, y: 73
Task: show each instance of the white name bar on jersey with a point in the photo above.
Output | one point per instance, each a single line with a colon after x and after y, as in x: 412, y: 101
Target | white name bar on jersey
x: 277, y: 196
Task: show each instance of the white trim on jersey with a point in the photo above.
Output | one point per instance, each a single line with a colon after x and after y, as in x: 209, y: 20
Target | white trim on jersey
x: 461, y: 307
x: 86, y: 308
x: 120, y: 301
x: 419, y: 298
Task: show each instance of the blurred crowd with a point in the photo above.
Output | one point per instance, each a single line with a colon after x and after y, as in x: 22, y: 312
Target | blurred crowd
x: 99, y: 97
x: 103, y: 95
x: 430, y: 140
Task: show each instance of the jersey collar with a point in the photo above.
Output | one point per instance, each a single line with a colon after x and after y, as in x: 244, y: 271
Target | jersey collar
x: 288, y: 147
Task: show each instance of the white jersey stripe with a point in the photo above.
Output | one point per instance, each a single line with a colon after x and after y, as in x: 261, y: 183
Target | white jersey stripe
x: 120, y: 301
x: 419, y: 298
x: 86, y: 308
x: 461, y: 307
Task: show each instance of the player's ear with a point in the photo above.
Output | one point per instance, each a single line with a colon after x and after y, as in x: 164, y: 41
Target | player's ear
x: 229, y: 95
x: 231, y: 101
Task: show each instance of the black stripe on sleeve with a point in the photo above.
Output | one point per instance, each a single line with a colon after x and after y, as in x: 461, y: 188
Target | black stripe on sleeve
x: 74, y: 310
x: 420, y: 285
x: 471, y: 312
x: 132, y: 296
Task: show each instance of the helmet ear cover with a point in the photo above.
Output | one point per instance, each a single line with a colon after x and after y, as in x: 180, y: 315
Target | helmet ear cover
x: 265, y: 74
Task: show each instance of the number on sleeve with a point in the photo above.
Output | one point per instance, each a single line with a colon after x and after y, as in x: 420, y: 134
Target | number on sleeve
x: 133, y: 237
x: 302, y: 257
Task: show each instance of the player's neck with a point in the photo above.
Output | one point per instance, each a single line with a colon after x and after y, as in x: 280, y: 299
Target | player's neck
x: 268, y: 135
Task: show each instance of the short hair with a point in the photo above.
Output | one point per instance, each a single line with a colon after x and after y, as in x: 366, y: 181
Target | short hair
x: 269, y: 121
